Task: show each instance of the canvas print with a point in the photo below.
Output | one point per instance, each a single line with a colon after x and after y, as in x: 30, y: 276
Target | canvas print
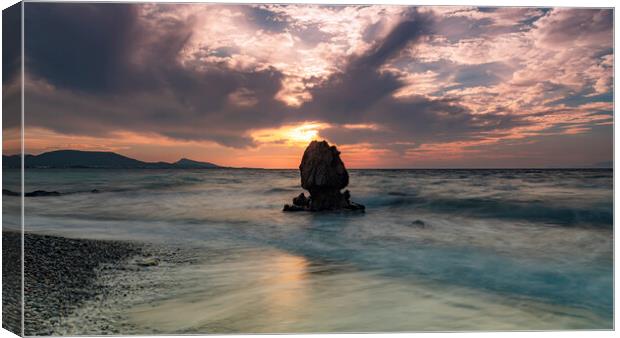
x: 211, y: 168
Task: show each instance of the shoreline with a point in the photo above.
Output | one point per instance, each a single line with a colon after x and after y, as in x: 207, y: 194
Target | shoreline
x: 61, y: 274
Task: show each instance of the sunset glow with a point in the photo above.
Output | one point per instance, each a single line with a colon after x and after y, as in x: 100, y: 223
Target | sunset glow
x: 304, y: 133
x: 293, y: 135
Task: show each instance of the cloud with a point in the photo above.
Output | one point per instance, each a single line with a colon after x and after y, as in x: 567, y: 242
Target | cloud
x: 11, y: 42
x: 574, y: 28
x: 362, y: 93
x: 345, y: 95
x: 439, y: 79
x: 87, y: 79
x: 79, y: 46
x: 11, y: 69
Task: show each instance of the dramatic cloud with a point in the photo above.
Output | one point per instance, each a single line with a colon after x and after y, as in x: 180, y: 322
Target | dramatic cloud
x: 409, y: 87
x: 95, y: 69
x: 11, y: 84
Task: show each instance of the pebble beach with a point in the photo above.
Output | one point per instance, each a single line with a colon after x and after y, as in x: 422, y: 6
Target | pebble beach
x: 60, y: 275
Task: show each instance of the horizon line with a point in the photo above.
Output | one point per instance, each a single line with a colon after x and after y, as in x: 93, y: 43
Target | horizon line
x: 350, y: 168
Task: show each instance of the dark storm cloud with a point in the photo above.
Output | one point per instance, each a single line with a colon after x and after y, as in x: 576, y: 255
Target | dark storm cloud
x: 346, y: 95
x: 112, y: 73
x: 109, y: 77
x: 571, y: 26
x: 410, y: 30
x: 11, y: 67
x: 79, y: 46
x: 11, y: 42
x: 364, y: 94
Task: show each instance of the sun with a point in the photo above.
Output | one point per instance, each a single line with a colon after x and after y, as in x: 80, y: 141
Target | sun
x: 291, y: 134
x: 304, y: 133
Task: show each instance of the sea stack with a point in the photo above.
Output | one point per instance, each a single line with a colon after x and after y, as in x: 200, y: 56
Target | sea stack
x: 323, y: 174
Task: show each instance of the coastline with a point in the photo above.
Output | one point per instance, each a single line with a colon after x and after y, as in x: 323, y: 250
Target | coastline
x: 62, y: 273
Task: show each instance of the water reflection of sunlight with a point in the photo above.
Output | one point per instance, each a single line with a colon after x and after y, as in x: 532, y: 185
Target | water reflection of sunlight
x: 286, y: 286
x: 252, y: 291
x: 263, y: 290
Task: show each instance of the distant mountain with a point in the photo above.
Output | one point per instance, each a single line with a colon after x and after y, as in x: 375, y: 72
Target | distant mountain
x: 96, y: 159
x: 187, y: 163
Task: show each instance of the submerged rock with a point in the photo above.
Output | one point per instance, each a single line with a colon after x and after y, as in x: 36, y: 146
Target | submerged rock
x: 39, y: 193
x: 36, y: 193
x: 42, y: 193
x: 324, y: 175
x: 301, y: 201
x: 419, y: 223
x: 8, y: 192
x: 288, y: 207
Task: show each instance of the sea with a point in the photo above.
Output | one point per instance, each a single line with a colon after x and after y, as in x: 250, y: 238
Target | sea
x: 436, y: 250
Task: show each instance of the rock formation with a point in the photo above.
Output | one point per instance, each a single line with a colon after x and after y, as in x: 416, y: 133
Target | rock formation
x: 323, y: 174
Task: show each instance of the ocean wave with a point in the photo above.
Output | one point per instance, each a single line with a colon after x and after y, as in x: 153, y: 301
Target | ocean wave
x: 398, y: 193
x: 533, y: 211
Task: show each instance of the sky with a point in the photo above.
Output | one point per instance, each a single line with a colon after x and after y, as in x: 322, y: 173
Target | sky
x: 252, y: 85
